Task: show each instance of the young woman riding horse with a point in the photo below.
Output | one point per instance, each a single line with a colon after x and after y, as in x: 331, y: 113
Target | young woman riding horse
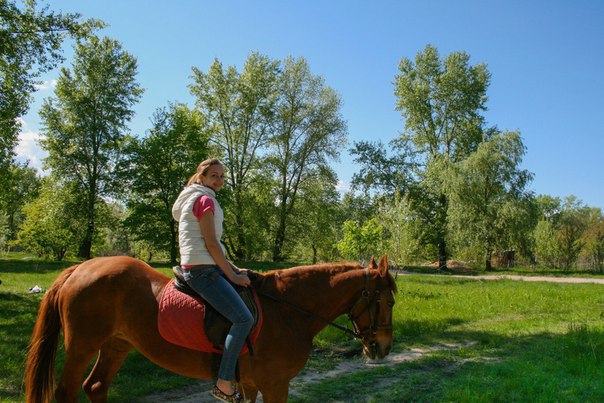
x: 206, y: 269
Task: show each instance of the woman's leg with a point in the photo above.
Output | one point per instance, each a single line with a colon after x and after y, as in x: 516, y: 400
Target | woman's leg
x: 216, y: 290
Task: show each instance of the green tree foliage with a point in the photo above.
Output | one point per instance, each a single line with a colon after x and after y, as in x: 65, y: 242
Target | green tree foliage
x: 441, y: 100
x: 547, y: 252
x: 387, y: 174
x: 317, y: 219
x: 567, y: 229
x: 403, y: 231
x: 573, y: 223
x: 361, y: 242
x: 238, y: 109
x: 30, y: 44
x: 21, y: 187
x: 485, y: 191
x: 53, y: 223
x: 275, y: 125
x: 85, y: 124
x: 308, y: 133
x: 155, y: 170
x: 594, y: 240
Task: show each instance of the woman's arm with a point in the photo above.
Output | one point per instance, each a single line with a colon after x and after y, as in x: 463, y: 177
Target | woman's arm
x: 206, y: 224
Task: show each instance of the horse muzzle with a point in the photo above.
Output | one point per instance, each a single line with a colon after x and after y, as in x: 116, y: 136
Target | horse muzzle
x: 377, y: 349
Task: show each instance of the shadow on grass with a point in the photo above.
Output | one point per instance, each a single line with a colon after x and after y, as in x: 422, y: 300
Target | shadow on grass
x: 18, y: 319
x: 33, y: 266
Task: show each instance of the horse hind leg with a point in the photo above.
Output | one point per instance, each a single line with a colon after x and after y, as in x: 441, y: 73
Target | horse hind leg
x: 76, y: 361
x: 112, y: 355
x: 275, y: 393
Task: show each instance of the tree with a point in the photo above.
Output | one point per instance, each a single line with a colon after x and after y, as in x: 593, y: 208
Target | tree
x: 563, y: 230
x: 573, y: 222
x: 441, y: 101
x: 594, y: 240
x: 238, y: 109
x: 547, y: 251
x: 361, y: 242
x: 317, y: 217
x: 85, y: 124
x: 22, y: 186
x: 389, y: 175
x: 308, y: 134
x: 155, y: 170
x: 484, y: 191
x: 53, y: 223
x: 402, y: 229
x: 30, y: 44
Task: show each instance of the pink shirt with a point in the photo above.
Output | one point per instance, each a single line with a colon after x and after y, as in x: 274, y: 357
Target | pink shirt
x: 200, y: 207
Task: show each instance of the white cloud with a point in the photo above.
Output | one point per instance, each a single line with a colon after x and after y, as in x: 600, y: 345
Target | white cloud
x: 28, y: 148
x: 343, y: 186
x: 46, y: 84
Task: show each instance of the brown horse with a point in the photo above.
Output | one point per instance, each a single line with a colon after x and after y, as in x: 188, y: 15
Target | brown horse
x: 107, y: 306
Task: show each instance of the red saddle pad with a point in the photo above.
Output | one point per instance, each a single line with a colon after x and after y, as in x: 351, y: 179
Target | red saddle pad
x: 181, y: 320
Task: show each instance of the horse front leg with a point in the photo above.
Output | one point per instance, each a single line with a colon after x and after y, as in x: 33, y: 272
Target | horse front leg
x: 248, y: 391
x: 276, y: 393
x: 112, y: 355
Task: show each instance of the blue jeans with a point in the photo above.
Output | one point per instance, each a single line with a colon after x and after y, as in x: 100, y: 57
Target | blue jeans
x: 211, y: 284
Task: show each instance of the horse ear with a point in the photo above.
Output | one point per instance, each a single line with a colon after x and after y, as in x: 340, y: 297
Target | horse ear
x: 383, y: 266
x: 372, y: 265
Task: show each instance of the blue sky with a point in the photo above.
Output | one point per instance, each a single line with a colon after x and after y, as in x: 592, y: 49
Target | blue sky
x: 546, y: 59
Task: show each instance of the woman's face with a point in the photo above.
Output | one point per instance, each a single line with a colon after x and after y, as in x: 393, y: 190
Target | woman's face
x: 214, y: 177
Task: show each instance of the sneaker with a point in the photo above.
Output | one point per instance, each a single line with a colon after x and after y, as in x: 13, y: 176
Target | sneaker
x: 223, y: 397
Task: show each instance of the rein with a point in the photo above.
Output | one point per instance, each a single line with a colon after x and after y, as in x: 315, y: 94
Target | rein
x: 364, y: 296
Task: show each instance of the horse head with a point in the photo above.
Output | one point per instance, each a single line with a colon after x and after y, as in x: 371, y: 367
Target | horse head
x: 372, y: 313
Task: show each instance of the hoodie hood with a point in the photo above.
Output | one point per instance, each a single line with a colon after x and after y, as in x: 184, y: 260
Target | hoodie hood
x: 186, y: 194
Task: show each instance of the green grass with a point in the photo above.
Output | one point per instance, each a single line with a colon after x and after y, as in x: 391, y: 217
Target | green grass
x: 534, y: 342
x: 531, y: 342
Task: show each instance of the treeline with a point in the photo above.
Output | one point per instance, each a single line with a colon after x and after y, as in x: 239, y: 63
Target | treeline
x: 449, y: 186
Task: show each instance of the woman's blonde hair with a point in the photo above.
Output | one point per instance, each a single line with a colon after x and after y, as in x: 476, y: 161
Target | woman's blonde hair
x: 202, y: 169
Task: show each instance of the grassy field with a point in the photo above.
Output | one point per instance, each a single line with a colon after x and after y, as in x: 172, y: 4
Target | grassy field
x: 529, y: 342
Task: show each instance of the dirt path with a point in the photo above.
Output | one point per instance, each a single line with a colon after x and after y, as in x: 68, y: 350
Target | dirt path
x: 548, y: 279
x: 199, y: 392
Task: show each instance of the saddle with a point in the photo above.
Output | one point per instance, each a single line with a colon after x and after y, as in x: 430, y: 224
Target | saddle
x: 217, y: 326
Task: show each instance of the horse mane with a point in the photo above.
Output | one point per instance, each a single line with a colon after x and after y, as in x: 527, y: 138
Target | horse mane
x: 276, y: 282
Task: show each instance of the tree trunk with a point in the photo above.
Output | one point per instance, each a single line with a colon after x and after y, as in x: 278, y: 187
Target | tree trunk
x: 442, y: 220
x: 86, y: 245
x: 487, y: 261
x: 442, y: 255
x: 279, y: 240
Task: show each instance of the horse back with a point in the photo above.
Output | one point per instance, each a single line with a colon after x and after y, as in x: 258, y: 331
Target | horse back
x: 104, y: 296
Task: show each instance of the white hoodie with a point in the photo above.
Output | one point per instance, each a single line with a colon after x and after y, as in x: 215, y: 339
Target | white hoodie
x: 193, y: 249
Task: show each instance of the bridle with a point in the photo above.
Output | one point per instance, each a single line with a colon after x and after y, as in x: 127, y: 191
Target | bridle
x: 369, y: 303
x: 357, y: 333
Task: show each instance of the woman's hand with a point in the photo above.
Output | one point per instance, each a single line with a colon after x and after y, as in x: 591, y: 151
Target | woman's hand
x: 240, y: 279
x: 237, y: 269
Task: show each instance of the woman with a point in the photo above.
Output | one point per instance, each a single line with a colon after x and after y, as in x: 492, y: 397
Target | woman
x: 206, y: 268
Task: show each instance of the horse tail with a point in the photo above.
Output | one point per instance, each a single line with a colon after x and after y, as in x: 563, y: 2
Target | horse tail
x: 40, y: 366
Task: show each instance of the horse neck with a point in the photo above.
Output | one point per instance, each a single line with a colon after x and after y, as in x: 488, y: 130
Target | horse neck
x: 327, y: 291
